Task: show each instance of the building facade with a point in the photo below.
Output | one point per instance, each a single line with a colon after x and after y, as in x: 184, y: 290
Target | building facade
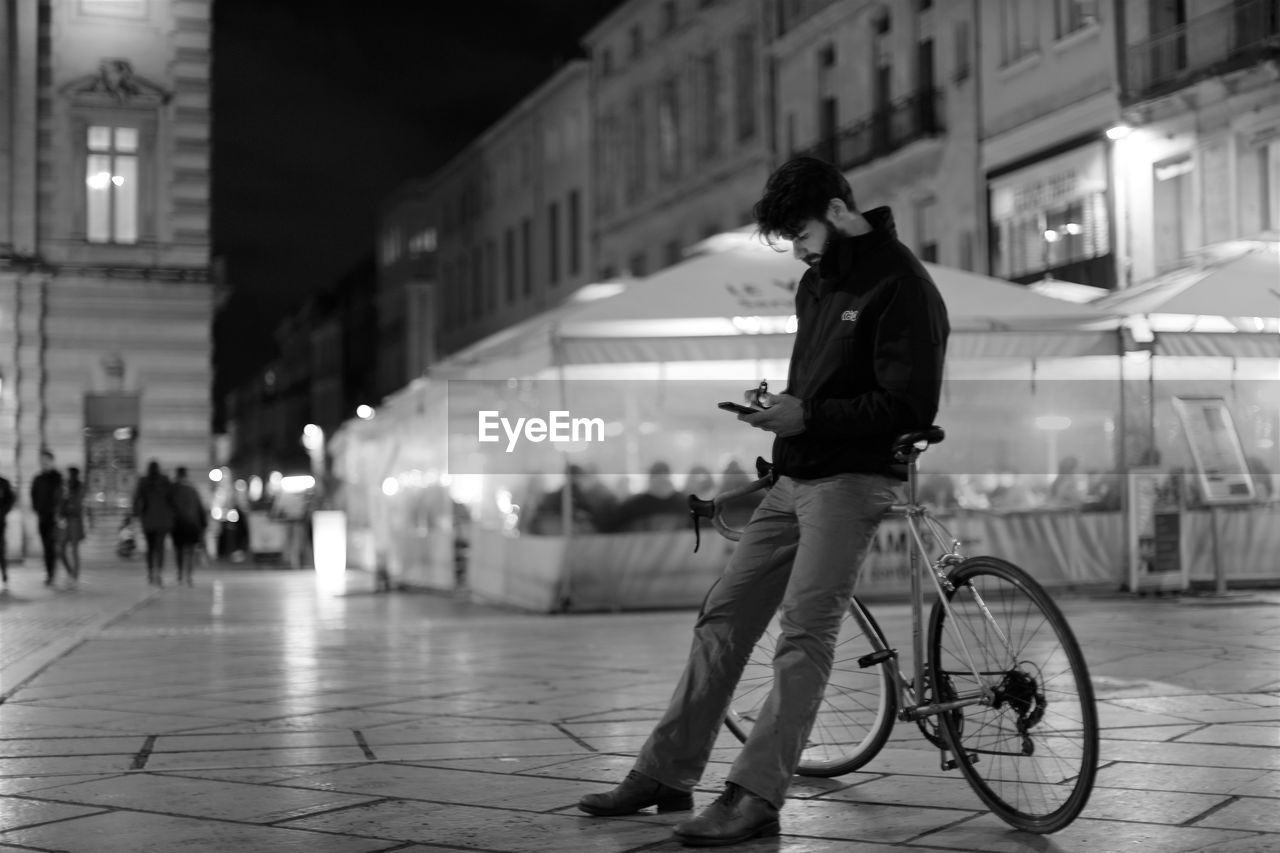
x: 498, y: 233
x: 889, y: 93
x: 682, y: 138
x: 1049, y: 95
x: 1200, y: 164
x: 105, y: 295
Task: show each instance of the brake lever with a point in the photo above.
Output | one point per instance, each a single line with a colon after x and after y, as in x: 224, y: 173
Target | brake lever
x: 698, y: 509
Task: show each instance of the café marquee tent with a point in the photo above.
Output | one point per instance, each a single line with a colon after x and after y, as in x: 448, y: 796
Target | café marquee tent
x: 733, y: 299
x: 1226, y: 305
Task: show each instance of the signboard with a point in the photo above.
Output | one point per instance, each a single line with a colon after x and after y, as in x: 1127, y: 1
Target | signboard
x: 1050, y: 184
x: 1157, y: 551
x: 1223, y: 474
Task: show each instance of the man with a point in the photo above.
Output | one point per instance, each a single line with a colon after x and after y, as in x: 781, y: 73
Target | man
x: 7, y: 499
x: 153, y: 507
x: 189, y: 521
x: 46, y: 502
x: 866, y: 367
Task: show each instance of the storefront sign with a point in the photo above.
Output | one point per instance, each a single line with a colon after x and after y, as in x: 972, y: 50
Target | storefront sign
x: 1050, y: 183
x: 1223, y: 473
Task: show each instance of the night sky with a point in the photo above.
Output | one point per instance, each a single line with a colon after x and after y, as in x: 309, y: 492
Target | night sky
x: 322, y: 107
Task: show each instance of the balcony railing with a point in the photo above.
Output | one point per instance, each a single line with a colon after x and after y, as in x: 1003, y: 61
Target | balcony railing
x: 1230, y: 37
x: 917, y: 116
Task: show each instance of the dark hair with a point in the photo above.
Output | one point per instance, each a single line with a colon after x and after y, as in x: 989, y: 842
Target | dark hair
x: 180, y: 471
x: 799, y: 190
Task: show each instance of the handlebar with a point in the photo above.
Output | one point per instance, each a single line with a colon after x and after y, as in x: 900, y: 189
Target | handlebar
x: 711, y: 510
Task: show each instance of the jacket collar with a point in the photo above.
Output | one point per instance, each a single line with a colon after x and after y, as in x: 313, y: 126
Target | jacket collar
x: 846, y: 254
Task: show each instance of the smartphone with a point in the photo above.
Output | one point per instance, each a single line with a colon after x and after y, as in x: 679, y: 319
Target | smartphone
x: 738, y: 408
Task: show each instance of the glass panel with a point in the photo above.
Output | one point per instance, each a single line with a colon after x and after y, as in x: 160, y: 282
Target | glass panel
x: 99, y: 138
x: 98, y: 198
x: 125, y: 188
x: 126, y: 139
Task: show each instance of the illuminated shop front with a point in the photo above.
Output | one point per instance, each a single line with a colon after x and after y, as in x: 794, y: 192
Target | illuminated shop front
x: 1051, y: 219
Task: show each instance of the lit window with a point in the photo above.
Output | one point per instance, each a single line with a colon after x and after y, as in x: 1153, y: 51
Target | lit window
x: 111, y: 185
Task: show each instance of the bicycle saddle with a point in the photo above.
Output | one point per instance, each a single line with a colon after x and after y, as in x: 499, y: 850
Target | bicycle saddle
x: 905, y: 444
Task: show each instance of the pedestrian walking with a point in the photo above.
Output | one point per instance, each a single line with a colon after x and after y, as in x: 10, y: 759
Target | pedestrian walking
x: 866, y: 366
x: 8, y: 497
x: 153, y: 507
x: 73, y: 524
x: 46, y: 502
x: 189, y: 520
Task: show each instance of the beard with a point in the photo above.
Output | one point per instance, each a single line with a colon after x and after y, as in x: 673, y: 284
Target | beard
x: 815, y: 258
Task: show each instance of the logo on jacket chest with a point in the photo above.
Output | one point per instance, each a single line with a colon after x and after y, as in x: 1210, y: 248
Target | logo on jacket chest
x: 850, y: 316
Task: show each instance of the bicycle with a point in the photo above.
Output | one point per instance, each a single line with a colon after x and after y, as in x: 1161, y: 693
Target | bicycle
x: 1003, y: 691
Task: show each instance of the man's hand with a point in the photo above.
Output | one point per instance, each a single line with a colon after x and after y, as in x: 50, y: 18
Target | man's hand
x: 784, y: 417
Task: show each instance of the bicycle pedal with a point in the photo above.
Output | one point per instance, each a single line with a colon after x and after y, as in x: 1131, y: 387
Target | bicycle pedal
x: 877, y: 658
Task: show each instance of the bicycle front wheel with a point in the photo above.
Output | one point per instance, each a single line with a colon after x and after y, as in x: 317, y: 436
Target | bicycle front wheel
x: 857, y: 710
x: 1031, y: 751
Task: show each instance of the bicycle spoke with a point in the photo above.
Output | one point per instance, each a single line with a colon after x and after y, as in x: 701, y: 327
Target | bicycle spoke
x: 1035, y: 741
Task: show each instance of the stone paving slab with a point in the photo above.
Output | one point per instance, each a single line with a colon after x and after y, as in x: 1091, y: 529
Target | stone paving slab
x: 259, y: 713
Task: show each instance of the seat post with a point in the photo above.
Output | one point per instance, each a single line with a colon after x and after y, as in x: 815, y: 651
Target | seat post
x: 911, y: 477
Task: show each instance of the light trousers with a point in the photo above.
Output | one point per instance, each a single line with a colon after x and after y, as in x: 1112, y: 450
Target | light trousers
x: 799, y: 556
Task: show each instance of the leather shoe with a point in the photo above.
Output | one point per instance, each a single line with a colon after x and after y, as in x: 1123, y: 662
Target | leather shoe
x: 636, y: 792
x: 737, y: 816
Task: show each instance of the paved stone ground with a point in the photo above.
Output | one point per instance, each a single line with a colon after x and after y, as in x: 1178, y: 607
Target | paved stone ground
x: 259, y: 712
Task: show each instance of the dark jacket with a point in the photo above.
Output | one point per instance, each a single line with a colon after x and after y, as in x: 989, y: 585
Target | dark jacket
x: 867, y: 362
x: 46, y: 495
x: 189, y: 515
x: 153, y: 504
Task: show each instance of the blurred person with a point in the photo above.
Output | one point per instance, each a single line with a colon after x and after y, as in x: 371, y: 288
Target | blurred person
x: 658, y: 507
x: 1102, y: 491
x: 153, y: 507
x: 8, y: 497
x: 866, y: 367
x: 592, y: 507
x: 189, y: 521
x: 1068, y: 487
x: 46, y: 502
x: 74, y: 514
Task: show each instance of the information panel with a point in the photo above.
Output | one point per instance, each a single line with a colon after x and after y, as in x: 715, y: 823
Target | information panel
x: 1223, y: 473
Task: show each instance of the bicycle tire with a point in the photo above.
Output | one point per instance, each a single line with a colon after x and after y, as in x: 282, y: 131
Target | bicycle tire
x: 858, y: 709
x: 1031, y: 754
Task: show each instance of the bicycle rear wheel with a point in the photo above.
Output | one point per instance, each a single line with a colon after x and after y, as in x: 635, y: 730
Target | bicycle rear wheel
x: 1031, y: 754
x: 857, y: 710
